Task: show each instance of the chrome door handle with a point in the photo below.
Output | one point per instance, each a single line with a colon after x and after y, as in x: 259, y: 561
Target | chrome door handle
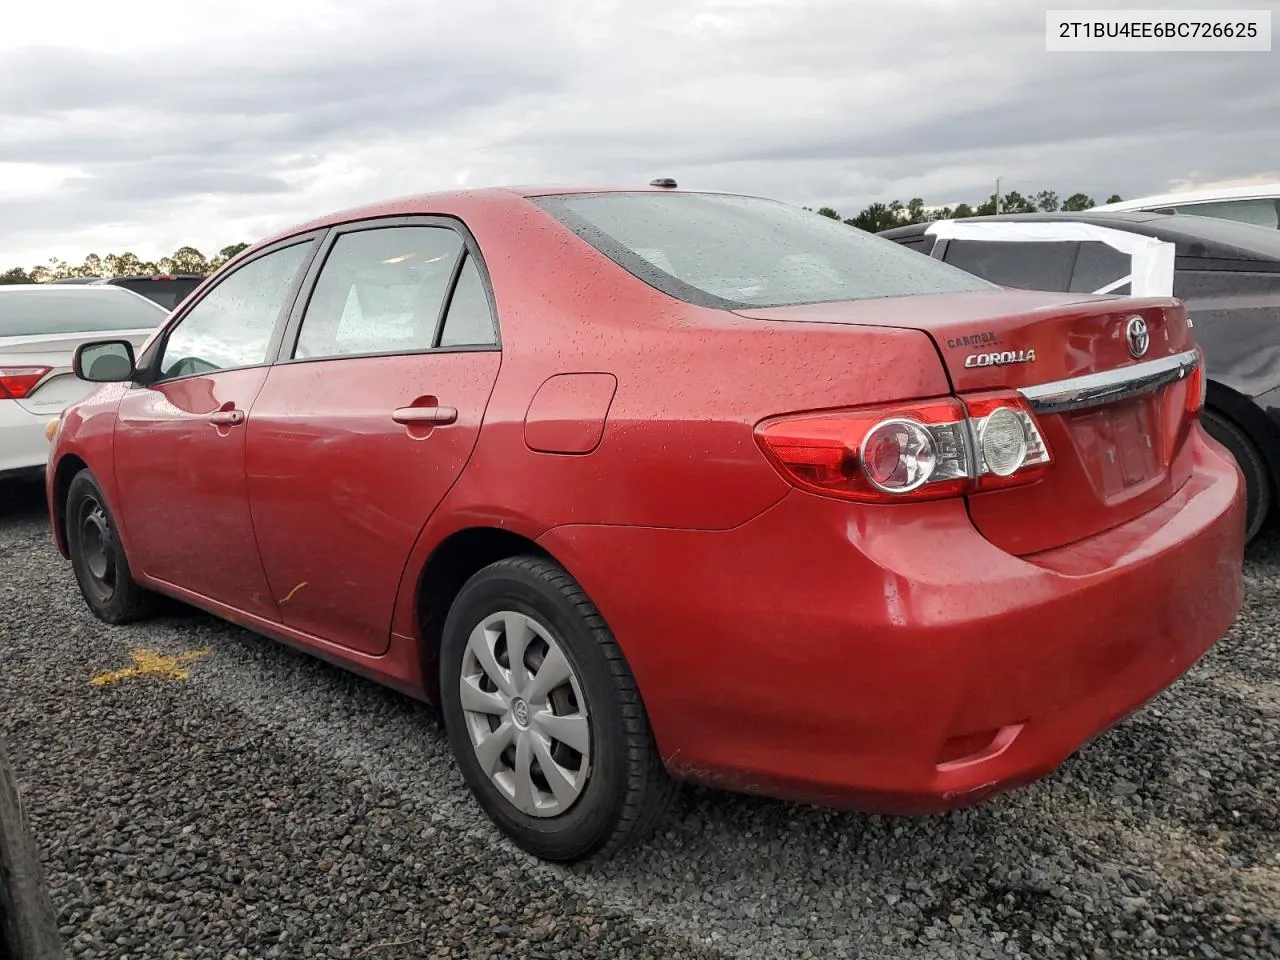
x: 428, y: 415
x: 226, y: 417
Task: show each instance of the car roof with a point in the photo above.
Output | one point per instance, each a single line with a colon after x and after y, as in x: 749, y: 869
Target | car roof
x: 67, y: 289
x: 457, y: 203
x: 86, y: 291
x: 1257, y: 191
x: 154, y: 276
x: 1207, y: 237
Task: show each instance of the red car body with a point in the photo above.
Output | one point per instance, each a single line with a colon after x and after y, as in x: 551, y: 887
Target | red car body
x: 894, y: 656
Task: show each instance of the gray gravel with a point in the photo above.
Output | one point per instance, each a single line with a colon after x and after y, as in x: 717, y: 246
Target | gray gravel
x: 274, y: 806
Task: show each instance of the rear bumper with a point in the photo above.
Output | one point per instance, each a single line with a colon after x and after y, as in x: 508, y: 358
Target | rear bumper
x: 891, y: 659
x: 23, y: 447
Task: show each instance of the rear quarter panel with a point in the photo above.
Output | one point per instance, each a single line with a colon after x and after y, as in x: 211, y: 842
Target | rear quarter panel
x: 677, y: 449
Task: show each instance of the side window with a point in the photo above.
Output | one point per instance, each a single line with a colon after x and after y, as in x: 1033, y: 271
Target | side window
x: 924, y: 244
x: 469, y: 321
x: 379, y: 291
x: 1098, y: 266
x: 1264, y: 212
x: 1031, y: 265
x: 231, y: 326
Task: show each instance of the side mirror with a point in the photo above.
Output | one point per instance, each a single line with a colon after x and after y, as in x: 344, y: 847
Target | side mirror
x: 104, y: 361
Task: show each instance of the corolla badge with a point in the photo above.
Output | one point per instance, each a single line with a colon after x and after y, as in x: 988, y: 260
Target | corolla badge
x: 1137, y: 335
x: 1003, y: 358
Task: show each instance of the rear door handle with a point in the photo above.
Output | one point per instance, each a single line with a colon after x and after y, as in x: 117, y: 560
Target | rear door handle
x: 428, y: 415
x: 226, y: 418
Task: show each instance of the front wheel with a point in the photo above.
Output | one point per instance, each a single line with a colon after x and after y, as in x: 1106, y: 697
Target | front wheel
x: 544, y: 716
x: 97, y: 556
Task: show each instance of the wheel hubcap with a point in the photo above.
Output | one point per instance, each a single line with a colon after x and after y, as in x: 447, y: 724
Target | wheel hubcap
x: 525, y: 714
x: 95, y: 544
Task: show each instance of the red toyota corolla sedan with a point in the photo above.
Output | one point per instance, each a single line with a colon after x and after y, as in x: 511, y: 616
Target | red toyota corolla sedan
x: 652, y: 485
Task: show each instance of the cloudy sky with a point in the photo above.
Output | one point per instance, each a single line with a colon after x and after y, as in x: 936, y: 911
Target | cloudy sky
x: 144, y: 126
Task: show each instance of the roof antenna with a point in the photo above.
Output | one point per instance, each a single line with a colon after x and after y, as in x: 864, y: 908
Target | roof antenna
x: 666, y: 182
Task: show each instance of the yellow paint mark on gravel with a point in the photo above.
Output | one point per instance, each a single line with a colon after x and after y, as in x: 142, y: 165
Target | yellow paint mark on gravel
x: 152, y: 663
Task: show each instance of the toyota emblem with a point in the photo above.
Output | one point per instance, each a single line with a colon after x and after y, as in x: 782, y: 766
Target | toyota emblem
x: 1135, y: 332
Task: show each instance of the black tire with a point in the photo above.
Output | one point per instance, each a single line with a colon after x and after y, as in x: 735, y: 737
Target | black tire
x: 28, y: 930
x: 1257, y: 479
x: 97, y: 557
x: 627, y: 790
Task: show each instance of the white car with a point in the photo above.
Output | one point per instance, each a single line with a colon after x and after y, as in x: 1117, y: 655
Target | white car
x: 41, y: 325
x: 1258, y: 204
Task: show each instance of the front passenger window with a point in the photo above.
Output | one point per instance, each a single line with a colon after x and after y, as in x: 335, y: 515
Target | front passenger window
x: 232, y: 325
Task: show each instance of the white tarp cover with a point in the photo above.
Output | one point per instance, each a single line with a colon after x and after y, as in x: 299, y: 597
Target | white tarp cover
x: 1151, y: 260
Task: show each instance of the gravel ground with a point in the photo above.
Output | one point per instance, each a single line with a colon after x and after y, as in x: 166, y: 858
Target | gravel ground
x: 274, y: 806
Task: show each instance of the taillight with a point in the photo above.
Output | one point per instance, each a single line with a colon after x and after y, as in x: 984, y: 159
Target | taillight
x: 907, y: 452
x: 1197, y: 386
x: 1009, y: 447
x: 17, y: 382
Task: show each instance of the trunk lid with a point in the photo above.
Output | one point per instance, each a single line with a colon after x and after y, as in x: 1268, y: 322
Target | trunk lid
x: 60, y: 387
x: 1112, y: 461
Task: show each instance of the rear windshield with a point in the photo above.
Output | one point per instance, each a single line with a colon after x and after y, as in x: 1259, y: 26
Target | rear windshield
x: 727, y: 251
x: 31, y: 310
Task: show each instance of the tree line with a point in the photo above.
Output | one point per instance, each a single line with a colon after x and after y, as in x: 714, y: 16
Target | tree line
x: 182, y: 260
x: 880, y: 216
x: 874, y: 218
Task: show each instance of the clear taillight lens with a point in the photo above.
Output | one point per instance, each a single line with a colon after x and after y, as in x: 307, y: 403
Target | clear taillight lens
x: 1008, y: 443
x: 921, y: 451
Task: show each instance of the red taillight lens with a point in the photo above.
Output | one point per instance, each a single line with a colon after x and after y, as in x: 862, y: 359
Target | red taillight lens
x: 17, y: 382
x: 920, y: 451
x: 1197, y: 386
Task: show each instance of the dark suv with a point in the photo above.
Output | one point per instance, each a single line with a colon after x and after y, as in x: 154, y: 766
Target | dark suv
x: 166, y: 289
x: 1227, y: 274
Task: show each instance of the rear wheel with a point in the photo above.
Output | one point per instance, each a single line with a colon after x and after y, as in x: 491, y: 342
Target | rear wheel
x: 97, y: 557
x: 543, y: 714
x: 1257, y: 479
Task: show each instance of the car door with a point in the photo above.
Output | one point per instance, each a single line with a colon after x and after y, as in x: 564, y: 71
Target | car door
x: 367, y: 420
x: 180, y: 433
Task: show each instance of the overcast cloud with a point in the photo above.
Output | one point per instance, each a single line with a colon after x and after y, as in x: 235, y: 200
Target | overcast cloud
x: 124, y: 127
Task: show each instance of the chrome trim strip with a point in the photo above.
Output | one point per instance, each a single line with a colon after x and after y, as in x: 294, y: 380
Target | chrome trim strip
x: 1097, y: 389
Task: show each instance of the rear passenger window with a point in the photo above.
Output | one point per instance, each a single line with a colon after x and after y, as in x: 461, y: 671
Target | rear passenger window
x: 469, y: 322
x: 1033, y: 265
x: 923, y: 244
x: 1264, y: 212
x: 380, y: 291
x: 1098, y: 266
